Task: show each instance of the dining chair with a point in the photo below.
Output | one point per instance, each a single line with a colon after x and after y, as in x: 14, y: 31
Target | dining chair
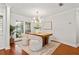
x: 25, y: 39
x: 35, y: 43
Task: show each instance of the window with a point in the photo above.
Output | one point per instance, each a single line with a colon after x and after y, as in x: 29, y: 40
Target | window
x: 19, y: 29
x: 27, y: 27
x: 1, y: 29
x: 22, y: 27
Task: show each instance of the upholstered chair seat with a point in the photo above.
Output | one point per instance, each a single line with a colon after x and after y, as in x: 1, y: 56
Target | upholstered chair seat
x: 35, y: 43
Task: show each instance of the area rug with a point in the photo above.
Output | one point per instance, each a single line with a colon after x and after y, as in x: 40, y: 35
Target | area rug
x: 46, y: 50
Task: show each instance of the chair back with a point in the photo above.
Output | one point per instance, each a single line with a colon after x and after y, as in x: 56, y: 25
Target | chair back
x: 35, y: 43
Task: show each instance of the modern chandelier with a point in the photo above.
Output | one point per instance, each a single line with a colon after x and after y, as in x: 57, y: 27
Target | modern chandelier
x: 37, y: 20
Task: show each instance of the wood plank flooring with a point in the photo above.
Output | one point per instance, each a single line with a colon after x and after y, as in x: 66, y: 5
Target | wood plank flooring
x: 66, y: 50
x: 61, y: 50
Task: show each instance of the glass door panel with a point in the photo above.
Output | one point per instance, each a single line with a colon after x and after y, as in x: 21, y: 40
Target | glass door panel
x: 19, y: 29
x: 27, y: 27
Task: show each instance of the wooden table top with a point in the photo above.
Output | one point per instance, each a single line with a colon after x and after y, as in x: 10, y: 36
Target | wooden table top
x: 44, y: 35
x: 41, y: 33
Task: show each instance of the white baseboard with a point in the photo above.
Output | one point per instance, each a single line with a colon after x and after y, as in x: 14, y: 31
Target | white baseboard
x: 7, y: 48
x: 75, y: 46
x: 2, y: 48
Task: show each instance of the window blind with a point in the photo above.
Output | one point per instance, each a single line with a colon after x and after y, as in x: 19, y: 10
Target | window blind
x: 1, y: 27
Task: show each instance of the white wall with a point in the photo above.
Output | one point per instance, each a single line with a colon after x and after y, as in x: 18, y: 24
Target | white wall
x: 17, y: 17
x: 77, y: 21
x: 64, y: 27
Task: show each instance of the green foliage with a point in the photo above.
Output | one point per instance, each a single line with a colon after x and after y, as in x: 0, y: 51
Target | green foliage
x: 12, y: 28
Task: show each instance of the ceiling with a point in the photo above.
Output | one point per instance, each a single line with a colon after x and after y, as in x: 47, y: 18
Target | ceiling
x: 45, y: 9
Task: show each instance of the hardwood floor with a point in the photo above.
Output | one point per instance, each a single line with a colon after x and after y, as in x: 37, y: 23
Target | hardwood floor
x: 12, y: 51
x: 61, y: 50
x: 66, y: 50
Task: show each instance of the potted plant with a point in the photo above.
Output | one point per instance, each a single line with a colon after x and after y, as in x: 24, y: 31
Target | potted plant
x: 12, y: 28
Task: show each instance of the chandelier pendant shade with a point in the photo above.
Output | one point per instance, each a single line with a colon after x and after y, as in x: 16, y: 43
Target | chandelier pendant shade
x: 37, y: 21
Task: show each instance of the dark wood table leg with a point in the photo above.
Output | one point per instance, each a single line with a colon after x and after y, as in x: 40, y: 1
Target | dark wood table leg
x: 45, y: 40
